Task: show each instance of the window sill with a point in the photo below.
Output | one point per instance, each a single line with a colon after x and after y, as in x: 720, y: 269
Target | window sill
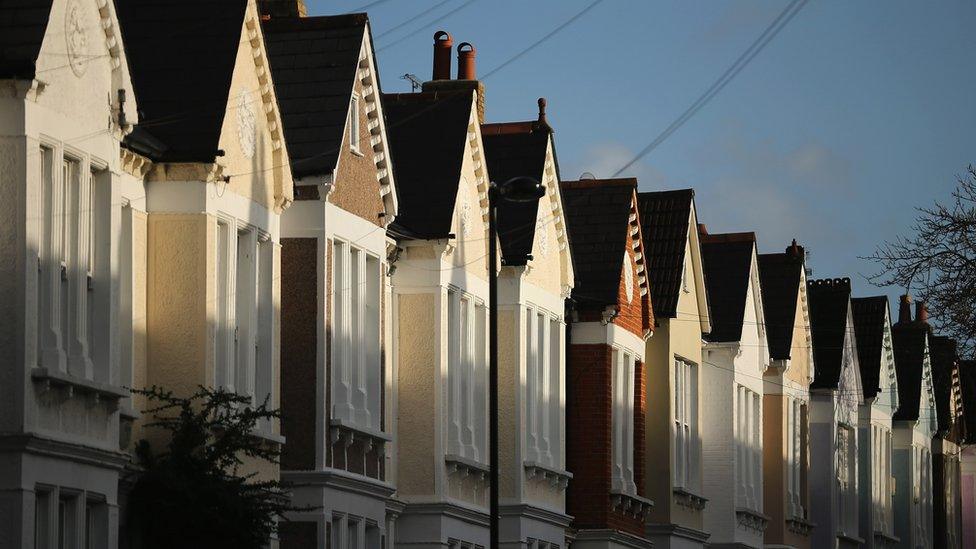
x: 72, y: 384
x: 557, y: 477
x: 887, y: 537
x: 343, y: 425
x: 853, y: 539
x: 357, y: 152
x: 687, y: 499
x: 799, y: 525
x: 753, y: 520
x: 466, y: 466
x: 631, y: 504
x: 267, y: 436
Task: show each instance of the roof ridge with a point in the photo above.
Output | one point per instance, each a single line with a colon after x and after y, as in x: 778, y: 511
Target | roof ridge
x: 600, y: 183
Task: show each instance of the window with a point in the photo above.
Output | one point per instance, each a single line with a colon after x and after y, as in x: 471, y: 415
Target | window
x: 126, y: 332
x: 748, y: 444
x: 42, y: 518
x: 67, y: 266
x: 846, y: 462
x: 686, y: 444
x: 622, y: 414
x: 922, y: 493
x: 467, y: 376
x: 881, y: 479
x: 67, y: 521
x: 796, y: 457
x: 354, y: 124
x: 244, y: 327
x: 543, y: 364
x: 356, y: 366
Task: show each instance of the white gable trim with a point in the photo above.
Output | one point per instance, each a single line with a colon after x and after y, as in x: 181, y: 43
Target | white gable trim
x: 366, y: 75
x: 696, y: 262
x: 269, y: 100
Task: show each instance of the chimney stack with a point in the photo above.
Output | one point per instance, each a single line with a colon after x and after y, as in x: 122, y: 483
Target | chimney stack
x: 921, y: 312
x: 282, y: 8
x: 702, y: 229
x: 443, y: 44
x: 466, y: 61
x: 796, y: 251
x: 905, y: 309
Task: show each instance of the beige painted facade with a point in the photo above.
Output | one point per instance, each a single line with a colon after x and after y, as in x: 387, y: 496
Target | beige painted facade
x: 676, y: 519
x: 787, y: 383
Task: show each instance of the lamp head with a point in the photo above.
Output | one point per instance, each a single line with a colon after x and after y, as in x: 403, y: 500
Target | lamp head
x: 521, y: 189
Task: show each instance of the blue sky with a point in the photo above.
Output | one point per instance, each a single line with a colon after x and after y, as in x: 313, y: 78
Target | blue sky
x: 856, y: 113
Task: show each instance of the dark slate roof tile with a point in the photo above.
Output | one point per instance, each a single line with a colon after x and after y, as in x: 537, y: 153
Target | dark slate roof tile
x: 181, y: 57
x: 665, y: 216
x: 598, y: 218
x: 313, y: 63
x: 779, y: 276
x: 520, y: 151
x: 23, y: 24
x: 870, y: 319
x: 829, y: 302
x: 427, y: 133
x: 727, y: 261
x: 909, y: 340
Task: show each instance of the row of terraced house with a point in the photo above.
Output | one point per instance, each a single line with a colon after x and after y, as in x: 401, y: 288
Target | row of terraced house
x: 218, y: 193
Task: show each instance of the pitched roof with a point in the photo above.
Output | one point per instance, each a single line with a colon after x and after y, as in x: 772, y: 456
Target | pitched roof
x: 314, y: 61
x: 727, y: 261
x: 428, y: 132
x: 779, y: 276
x: 598, y: 219
x: 870, y: 321
x: 516, y: 149
x: 182, y: 55
x: 967, y: 380
x: 909, y: 340
x: 665, y: 216
x: 23, y: 24
x: 829, y: 301
x: 944, y: 363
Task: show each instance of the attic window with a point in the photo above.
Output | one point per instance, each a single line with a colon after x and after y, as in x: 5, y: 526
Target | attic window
x: 354, y: 124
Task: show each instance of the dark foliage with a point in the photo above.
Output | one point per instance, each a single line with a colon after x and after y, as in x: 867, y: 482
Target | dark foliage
x: 192, y: 493
x: 938, y: 262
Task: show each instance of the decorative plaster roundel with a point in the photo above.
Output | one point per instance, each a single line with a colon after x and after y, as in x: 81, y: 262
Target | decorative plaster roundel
x: 76, y: 40
x: 629, y: 276
x: 246, y: 127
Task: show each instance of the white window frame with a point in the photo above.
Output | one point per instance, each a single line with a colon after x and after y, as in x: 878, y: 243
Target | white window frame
x: 847, y: 506
x: 796, y: 457
x: 685, y: 419
x: 357, y: 294
x: 467, y: 375
x: 544, y: 360
x: 623, y: 370
x: 748, y: 445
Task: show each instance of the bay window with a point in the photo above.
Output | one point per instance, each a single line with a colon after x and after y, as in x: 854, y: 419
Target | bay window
x: 356, y: 365
x: 881, y: 478
x: 846, y: 462
x: 796, y: 472
x: 244, y: 331
x: 686, y: 443
x: 467, y: 371
x: 622, y: 421
x: 543, y: 406
x: 748, y: 446
x: 68, y: 285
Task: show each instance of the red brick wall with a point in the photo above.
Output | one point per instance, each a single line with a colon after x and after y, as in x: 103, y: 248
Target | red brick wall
x: 299, y: 344
x: 589, y: 439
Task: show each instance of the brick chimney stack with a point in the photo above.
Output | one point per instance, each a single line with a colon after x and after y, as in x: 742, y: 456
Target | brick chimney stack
x: 796, y: 251
x: 443, y: 43
x: 905, y: 309
x: 282, y: 8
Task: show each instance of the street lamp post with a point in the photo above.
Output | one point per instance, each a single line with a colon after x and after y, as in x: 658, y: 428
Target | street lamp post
x: 517, y: 189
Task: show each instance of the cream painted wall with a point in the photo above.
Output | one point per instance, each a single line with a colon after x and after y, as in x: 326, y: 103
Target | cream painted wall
x: 264, y: 176
x: 417, y: 423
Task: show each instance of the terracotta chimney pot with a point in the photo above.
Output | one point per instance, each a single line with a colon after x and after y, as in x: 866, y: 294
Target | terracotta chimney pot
x: 443, y: 44
x: 702, y: 229
x: 905, y: 309
x: 466, y: 61
x: 921, y: 311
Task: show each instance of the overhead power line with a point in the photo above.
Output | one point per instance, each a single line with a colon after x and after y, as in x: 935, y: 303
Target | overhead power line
x: 367, y: 6
x: 426, y: 25
x: 783, y: 19
x: 411, y: 20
